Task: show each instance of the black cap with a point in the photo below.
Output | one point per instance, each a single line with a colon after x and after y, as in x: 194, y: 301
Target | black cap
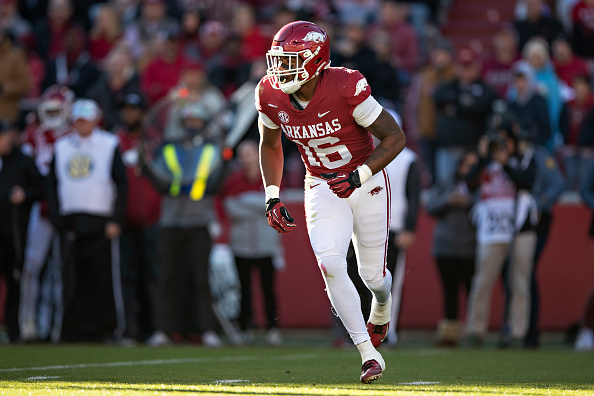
x: 135, y: 100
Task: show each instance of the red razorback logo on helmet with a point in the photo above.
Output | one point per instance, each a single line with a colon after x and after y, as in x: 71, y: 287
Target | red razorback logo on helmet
x: 376, y: 190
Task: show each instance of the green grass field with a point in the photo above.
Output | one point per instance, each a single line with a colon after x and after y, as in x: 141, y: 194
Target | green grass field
x: 301, y: 368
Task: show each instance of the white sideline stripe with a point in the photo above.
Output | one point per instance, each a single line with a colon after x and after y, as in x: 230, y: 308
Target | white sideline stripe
x: 229, y: 381
x: 42, y: 377
x: 155, y: 362
x: 419, y: 383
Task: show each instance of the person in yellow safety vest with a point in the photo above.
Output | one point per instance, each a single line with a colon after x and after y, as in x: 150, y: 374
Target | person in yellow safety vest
x: 192, y: 164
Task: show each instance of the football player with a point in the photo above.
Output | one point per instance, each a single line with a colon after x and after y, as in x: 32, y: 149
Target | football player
x: 331, y: 116
x: 53, y: 112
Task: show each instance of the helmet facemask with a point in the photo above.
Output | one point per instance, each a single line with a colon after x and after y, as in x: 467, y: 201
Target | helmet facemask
x: 288, y: 69
x: 54, y: 113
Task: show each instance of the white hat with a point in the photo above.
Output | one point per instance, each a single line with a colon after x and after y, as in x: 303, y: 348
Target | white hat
x: 85, y: 109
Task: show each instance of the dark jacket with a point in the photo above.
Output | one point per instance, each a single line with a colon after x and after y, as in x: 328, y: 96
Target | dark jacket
x: 454, y: 235
x: 533, y: 116
x: 81, y: 75
x: 571, y: 112
x: 18, y: 169
x: 110, y: 101
x: 462, y: 112
x: 546, y: 27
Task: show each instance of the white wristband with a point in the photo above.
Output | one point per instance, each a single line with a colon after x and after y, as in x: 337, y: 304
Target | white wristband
x: 364, y: 173
x: 272, y: 191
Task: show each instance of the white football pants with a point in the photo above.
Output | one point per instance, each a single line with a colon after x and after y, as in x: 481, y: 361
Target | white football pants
x: 332, y: 222
x: 39, y: 238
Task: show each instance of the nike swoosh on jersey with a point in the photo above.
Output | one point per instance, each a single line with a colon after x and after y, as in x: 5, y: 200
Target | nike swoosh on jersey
x: 323, y: 114
x: 272, y: 105
x: 313, y: 185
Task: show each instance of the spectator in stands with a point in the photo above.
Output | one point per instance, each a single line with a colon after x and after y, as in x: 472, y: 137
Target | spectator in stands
x: 356, y: 11
x: 198, y: 88
x: 567, y: 65
x: 353, y: 52
x: 118, y: 78
x: 105, y: 33
x: 527, y: 105
x: 385, y: 79
x: 454, y: 245
x: 20, y: 185
x: 185, y: 242
x: 143, y: 35
x: 537, y: 24
x: 11, y: 21
x: 191, y: 22
x: 254, y: 42
x: 577, y: 127
x: 585, y: 337
x: 213, y: 35
x: 537, y: 54
x: 463, y: 106
x: 583, y: 28
x: 36, y: 69
x: 564, y: 10
x: 405, y: 43
x: 87, y: 201
x: 281, y: 17
x: 14, y: 80
x: 162, y: 73
x: 505, y: 217
x: 72, y: 66
x: 255, y: 245
x: 496, y: 69
x: 233, y: 69
x: 50, y: 35
x: 420, y: 107
x: 140, y: 232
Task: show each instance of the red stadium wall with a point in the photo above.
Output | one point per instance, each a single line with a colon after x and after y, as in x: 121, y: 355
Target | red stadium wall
x: 566, y: 274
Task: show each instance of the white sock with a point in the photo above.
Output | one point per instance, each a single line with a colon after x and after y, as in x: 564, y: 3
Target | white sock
x: 368, y: 352
x: 380, y: 313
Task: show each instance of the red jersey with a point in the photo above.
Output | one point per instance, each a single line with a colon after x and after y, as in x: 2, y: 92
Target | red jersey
x: 325, y: 132
x: 39, y: 143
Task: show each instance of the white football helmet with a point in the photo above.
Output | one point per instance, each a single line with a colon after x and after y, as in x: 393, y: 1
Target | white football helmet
x: 54, y: 109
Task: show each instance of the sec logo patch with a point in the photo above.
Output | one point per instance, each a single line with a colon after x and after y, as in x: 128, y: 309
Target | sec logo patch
x: 283, y: 117
x: 79, y: 166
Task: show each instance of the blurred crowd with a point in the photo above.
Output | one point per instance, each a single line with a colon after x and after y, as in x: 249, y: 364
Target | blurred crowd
x: 500, y: 131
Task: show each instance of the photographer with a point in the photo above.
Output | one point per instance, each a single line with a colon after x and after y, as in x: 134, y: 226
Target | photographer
x: 505, y: 217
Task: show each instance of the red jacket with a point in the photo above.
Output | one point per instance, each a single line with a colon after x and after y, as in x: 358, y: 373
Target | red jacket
x: 160, y: 76
x: 143, y: 208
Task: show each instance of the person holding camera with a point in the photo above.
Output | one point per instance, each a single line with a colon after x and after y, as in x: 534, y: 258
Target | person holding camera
x: 505, y: 217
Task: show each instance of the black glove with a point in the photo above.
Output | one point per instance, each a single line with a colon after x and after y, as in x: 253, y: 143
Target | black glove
x: 343, y: 184
x: 278, y: 216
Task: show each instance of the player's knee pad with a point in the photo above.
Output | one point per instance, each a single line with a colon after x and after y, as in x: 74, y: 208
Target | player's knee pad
x: 376, y: 278
x: 372, y: 231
